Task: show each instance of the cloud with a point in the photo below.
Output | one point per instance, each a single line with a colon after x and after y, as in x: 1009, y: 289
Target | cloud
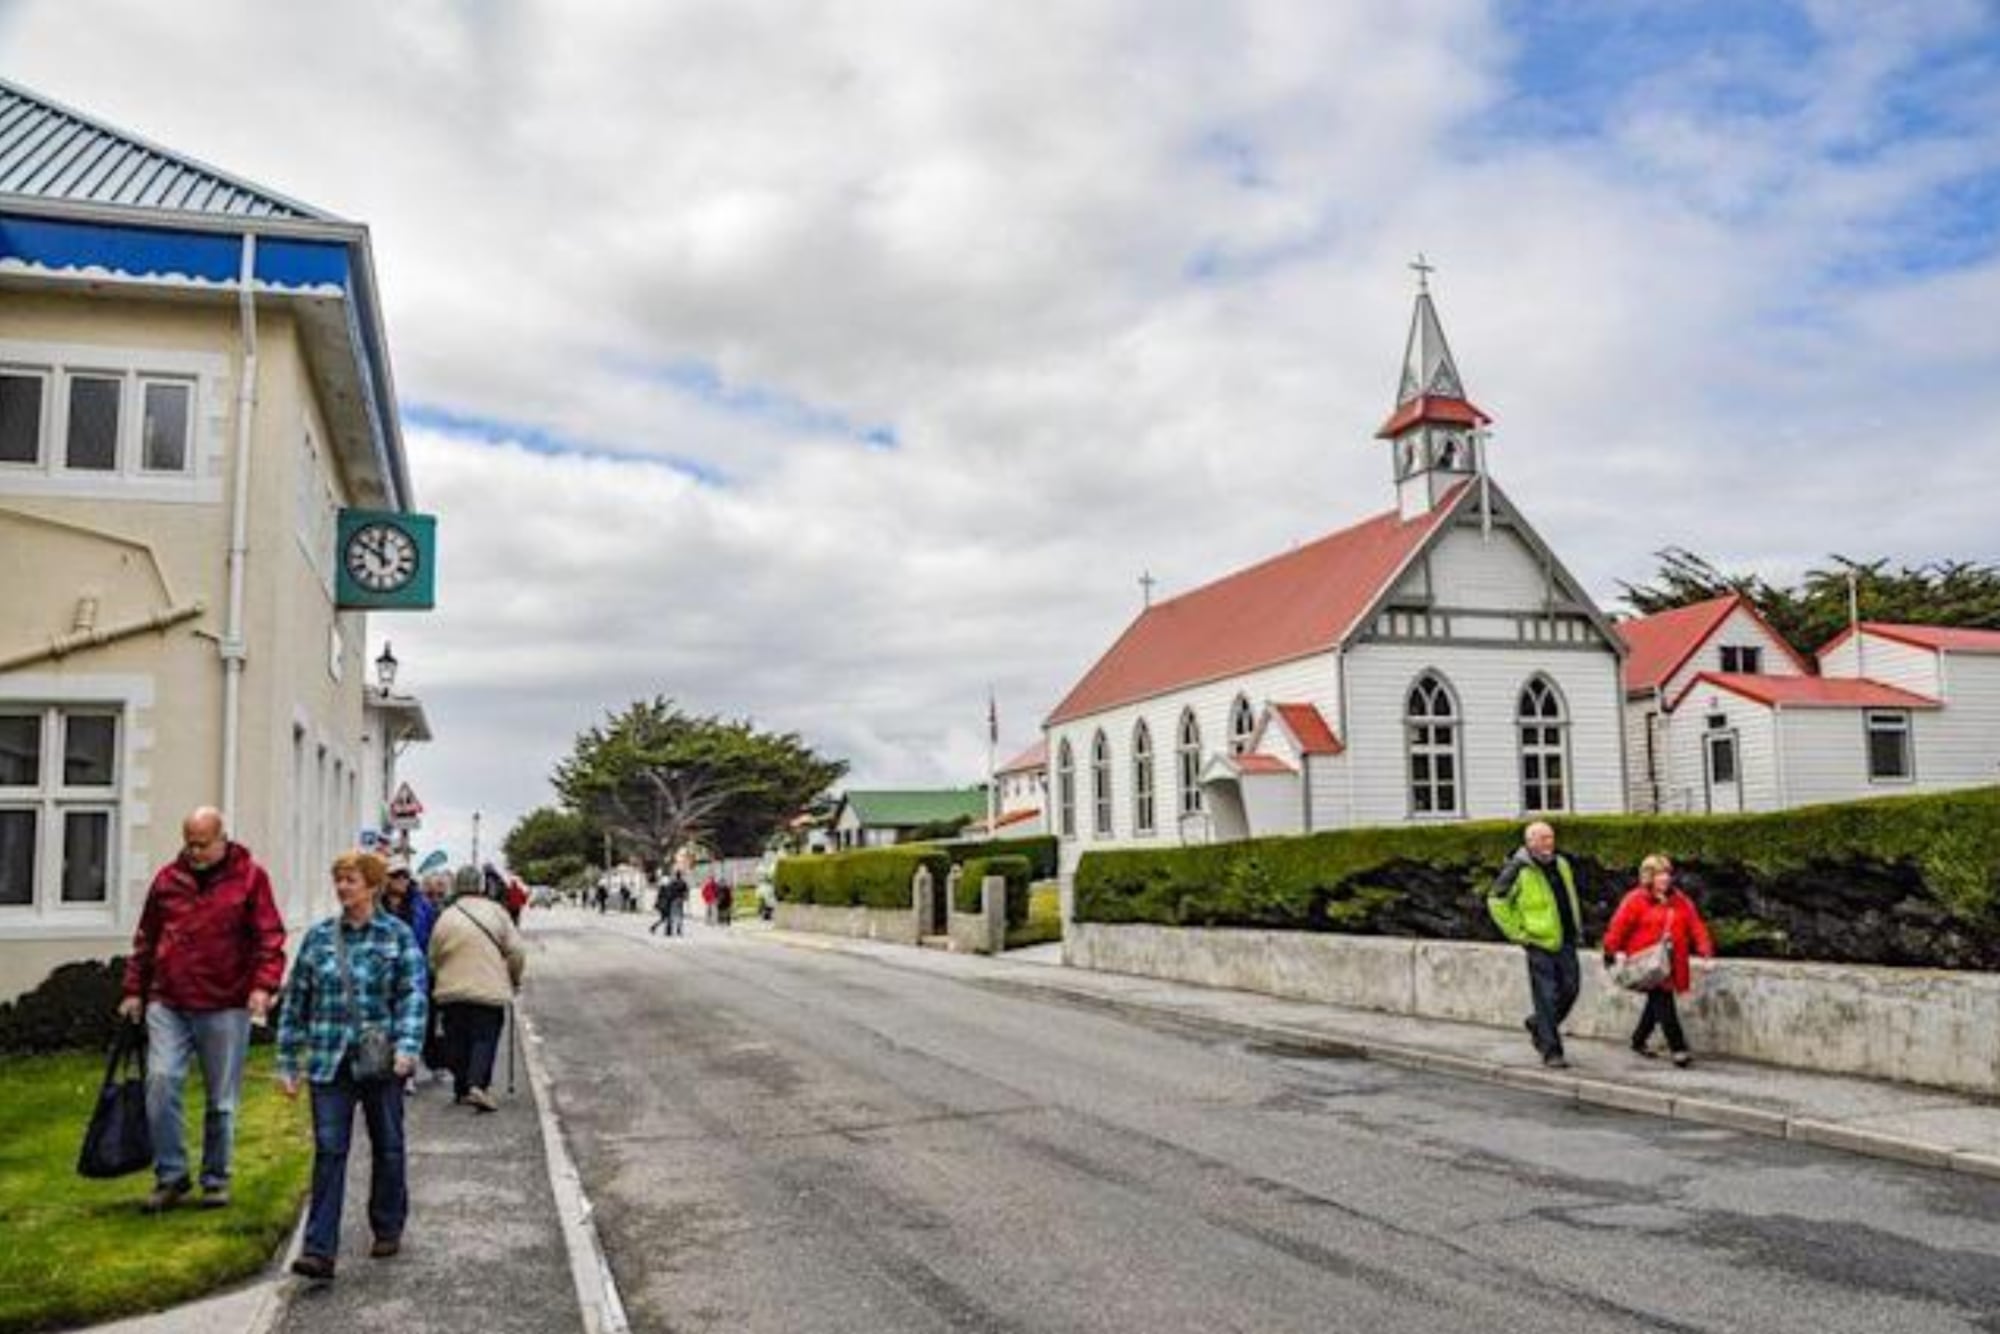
x: 827, y: 365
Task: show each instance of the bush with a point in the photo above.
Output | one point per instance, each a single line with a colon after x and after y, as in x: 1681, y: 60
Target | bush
x: 1044, y: 922
x: 1900, y: 880
x: 75, y: 1007
x: 1040, y: 850
x: 868, y: 878
x: 1016, y: 871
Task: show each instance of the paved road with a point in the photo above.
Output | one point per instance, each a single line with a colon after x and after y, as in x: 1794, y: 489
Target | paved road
x: 789, y: 1140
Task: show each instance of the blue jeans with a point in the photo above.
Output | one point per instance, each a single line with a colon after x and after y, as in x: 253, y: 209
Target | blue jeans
x: 333, y: 1104
x: 1553, y: 983
x: 219, y: 1040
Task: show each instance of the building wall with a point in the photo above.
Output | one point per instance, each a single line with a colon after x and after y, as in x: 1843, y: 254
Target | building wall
x: 1757, y: 757
x: 1738, y: 630
x: 1645, y: 753
x: 136, y: 545
x: 1959, y: 745
x: 1491, y: 572
x: 1889, y: 661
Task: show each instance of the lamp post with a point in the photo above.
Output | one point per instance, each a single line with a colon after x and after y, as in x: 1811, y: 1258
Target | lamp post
x: 385, y: 669
x: 385, y: 681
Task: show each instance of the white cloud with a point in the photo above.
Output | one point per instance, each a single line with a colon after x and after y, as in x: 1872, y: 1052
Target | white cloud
x: 987, y: 228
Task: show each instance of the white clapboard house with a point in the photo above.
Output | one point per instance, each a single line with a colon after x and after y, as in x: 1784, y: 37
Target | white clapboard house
x: 1433, y: 662
x: 1723, y: 716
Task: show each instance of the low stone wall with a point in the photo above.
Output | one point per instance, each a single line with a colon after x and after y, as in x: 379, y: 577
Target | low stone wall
x: 983, y: 932
x: 1915, y: 1026
x: 898, y: 926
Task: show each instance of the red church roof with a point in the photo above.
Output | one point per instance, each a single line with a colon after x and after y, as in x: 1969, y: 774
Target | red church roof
x: 1949, y: 638
x: 1303, y: 602
x: 1034, y: 757
x: 1661, y: 643
x: 1309, y: 728
x: 1814, y: 692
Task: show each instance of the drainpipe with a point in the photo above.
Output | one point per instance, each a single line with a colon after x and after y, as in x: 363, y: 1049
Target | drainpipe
x: 94, y: 636
x: 234, y: 653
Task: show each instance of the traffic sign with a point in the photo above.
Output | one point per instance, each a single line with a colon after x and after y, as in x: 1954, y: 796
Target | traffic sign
x: 404, y: 805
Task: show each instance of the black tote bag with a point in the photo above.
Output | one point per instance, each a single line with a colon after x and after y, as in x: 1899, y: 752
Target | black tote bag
x: 119, y: 1142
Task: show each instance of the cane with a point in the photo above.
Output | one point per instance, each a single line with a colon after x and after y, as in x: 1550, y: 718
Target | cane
x: 513, y: 1045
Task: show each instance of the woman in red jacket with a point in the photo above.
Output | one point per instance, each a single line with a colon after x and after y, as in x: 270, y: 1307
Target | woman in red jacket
x: 1652, y: 909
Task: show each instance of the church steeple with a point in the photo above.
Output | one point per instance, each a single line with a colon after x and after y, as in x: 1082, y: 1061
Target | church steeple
x: 1434, y: 434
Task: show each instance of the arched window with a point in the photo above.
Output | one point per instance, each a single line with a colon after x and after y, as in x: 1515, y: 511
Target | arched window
x: 1189, y: 755
x: 1544, y: 725
x: 1144, y: 814
x: 1431, y: 721
x: 1100, y: 786
x: 1242, y: 725
x: 1065, y: 790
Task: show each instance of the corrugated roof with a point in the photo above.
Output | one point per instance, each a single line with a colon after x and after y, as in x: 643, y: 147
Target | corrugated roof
x: 1034, y: 757
x: 1950, y: 638
x: 1309, y: 728
x: 1305, y: 601
x: 1660, y: 643
x: 901, y: 810
x: 49, y: 151
x: 1814, y: 692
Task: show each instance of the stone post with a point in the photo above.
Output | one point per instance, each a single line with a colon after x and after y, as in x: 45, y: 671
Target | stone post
x: 993, y: 907
x: 951, y: 884
x: 922, y: 887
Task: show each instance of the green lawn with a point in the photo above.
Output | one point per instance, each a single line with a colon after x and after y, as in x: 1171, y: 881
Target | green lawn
x: 78, y: 1251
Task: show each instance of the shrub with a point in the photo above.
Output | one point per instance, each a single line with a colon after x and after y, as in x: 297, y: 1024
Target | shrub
x: 1044, y: 922
x: 868, y: 878
x: 1900, y: 880
x: 1040, y: 850
x: 75, y: 1007
x: 1016, y: 871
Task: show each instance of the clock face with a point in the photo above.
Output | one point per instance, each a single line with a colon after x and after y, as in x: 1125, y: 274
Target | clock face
x: 381, y: 557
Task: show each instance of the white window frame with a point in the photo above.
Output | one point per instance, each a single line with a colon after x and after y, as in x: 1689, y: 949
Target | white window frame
x: 1100, y: 785
x: 142, y: 383
x: 51, y: 798
x: 1065, y: 790
x: 1242, y: 725
x: 1145, y: 803
x: 43, y: 376
x: 59, y: 365
x: 1890, y: 722
x: 1187, y: 768
x: 57, y: 457
x: 1749, y: 659
x: 1431, y: 750
x: 1542, y: 750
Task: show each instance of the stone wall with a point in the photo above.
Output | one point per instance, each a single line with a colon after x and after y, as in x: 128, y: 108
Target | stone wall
x: 983, y: 932
x: 1918, y: 1026
x: 898, y: 926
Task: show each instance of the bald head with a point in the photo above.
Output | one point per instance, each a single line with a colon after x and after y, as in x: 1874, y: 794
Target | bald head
x: 1540, y: 838
x: 203, y: 840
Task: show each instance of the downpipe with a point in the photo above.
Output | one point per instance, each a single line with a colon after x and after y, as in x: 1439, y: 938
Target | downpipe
x: 234, y: 652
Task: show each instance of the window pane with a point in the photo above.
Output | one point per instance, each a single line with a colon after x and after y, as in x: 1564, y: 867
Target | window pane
x: 164, y: 431
x: 1421, y: 802
x: 1445, y: 766
x: 90, y: 749
x: 20, y: 749
x: 1447, y: 799
x: 1420, y: 768
x: 1722, y: 761
x: 86, y: 856
x: 17, y: 857
x: 1888, y: 756
x: 93, y: 423
x: 20, y: 419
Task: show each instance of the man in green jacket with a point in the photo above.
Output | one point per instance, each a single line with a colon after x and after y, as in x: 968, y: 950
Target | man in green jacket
x: 1533, y: 902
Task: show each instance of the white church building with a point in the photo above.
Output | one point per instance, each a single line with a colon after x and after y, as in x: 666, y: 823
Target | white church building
x: 1433, y: 662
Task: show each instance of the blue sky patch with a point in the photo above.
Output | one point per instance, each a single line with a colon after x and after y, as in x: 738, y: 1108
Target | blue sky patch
x: 702, y: 382
x: 538, y: 440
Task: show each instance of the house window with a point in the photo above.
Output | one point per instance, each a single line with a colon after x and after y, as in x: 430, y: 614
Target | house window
x: 93, y: 423
x: 1066, y: 790
x: 1144, y: 810
x: 1889, y: 757
x: 1189, y: 755
x: 1431, y: 723
x: 1543, y: 724
x: 58, y: 805
x: 166, y: 422
x: 1242, y: 725
x: 21, y: 397
x: 1743, y: 658
x: 1100, y: 786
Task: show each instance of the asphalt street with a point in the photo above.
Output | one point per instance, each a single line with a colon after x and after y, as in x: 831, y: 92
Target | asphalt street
x: 780, y: 1139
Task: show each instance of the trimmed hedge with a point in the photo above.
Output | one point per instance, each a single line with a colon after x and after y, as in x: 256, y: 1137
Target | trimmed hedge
x: 865, y: 878
x: 1039, y: 849
x: 75, y: 1007
x: 1897, y: 880
x: 1018, y: 873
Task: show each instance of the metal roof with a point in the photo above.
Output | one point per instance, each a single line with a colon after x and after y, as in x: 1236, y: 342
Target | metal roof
x: 49, y: 151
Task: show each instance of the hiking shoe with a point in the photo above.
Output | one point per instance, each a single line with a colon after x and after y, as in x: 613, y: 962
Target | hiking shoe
x: 385, y: 1247
x: 166, y: 1195
x: 318, y: 1268
x: 482, y: 1100
x: 1555, y: 1060
x: 215, y: 1197
x: 1639, y: 1049
x: 1683, y: 1060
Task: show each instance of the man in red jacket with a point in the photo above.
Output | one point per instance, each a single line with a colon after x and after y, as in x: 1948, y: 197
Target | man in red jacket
x: 206, y: 959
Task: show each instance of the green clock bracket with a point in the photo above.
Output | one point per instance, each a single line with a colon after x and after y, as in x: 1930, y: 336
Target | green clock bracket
x: 385, y: 561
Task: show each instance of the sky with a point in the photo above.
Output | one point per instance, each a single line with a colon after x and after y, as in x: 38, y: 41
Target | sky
x: 831, y: 364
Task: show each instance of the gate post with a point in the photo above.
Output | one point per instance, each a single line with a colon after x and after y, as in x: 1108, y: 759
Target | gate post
x: 922, y: 887
x: 993, y: 906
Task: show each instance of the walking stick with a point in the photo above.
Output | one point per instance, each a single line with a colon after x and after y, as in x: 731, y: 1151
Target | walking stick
x: 513, y: 1045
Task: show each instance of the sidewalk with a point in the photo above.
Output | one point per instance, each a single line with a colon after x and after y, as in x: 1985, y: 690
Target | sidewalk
x: 1929, y: 1127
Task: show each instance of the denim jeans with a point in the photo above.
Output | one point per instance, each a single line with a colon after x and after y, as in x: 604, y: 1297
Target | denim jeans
x: 219, y: 1040
x: 1553, y: 981
x: 381, y: 1103
x: 471, y: 1041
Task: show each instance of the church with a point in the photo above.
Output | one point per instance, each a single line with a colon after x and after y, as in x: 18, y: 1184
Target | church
x: 1433, y: 662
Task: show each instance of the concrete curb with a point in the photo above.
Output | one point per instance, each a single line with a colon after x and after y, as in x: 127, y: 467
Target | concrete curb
x: 1582, y: 1090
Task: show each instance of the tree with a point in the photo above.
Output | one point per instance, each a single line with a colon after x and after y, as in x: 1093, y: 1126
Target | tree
x: 548, y: 846
x: 655, y: 777
x: 1962, y: 593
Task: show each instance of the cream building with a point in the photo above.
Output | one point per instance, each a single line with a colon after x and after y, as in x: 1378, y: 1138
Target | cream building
x: 193, y: 381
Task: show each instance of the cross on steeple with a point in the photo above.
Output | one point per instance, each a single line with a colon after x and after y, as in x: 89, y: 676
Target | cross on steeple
x: 1424, y: 269
x: 1146, y: 582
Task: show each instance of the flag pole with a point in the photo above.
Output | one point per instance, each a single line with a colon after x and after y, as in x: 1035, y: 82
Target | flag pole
x: 992, y: 762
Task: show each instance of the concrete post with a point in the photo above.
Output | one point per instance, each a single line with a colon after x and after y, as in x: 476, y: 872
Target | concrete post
x: 993, y: 905
x: 922, y: 886
x: 952, y: 881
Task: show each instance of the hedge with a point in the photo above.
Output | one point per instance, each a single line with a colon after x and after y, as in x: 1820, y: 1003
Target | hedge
x: 1899, y: 880
x: 1039, y: 849
x: 1018, y: 873
x: 867, y: 878
x: 75, y: 1007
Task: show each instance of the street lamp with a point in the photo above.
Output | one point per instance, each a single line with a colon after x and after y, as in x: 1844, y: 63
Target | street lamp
x: 385, y: 669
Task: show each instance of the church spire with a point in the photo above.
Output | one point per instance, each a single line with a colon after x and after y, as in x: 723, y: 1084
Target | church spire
x: 1431, y: 388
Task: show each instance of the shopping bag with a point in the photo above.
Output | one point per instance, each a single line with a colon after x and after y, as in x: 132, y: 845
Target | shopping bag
x: 119, y: 1142
x: 1649, y: 968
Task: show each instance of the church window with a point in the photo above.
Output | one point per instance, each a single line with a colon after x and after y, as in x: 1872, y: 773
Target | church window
x: 1100, y: 786
x: 1066, y: 790
x: 1431, y: 722
x: 1189, y: 755
x: 1144, y: 814
x: 1543, y: 724
x: 1242, y: 725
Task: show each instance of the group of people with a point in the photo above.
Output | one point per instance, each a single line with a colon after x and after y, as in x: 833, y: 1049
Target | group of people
x: 401, y: 975
x: 1534, y: 903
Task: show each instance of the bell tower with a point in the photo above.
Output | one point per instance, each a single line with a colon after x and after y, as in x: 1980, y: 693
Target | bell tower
x: 1435, y: 434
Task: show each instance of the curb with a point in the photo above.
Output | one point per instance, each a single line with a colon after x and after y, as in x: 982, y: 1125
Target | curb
x: 1582, y: 1090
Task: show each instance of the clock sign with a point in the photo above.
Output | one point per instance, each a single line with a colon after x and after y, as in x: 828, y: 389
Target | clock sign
x: 385, y: 560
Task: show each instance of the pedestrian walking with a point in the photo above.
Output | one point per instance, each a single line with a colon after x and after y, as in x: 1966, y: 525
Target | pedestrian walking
x: 517, y: 898
x: 1653, y: 911
x: 208, y: 955
x: 1533, y: 902
x: 351, y: 1029
x: 677, y: 902
x: 603, y: 894
x: 476, y: 960
x: 711, y: 894
x: 662, y: 908
x: 408, y: 906
x: 725, y: 902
